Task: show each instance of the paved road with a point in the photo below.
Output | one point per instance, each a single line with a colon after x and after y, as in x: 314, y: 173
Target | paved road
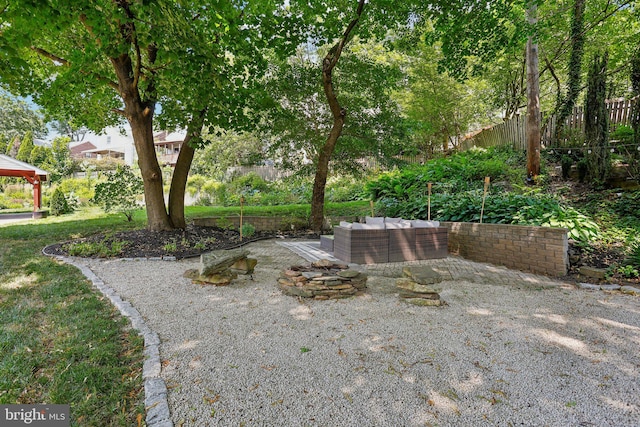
x: 15, y: 217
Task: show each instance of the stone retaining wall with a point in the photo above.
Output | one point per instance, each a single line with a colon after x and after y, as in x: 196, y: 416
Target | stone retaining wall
x: 541, y: 250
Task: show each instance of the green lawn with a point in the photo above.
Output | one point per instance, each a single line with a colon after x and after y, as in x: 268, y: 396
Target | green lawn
x: 61, y: 342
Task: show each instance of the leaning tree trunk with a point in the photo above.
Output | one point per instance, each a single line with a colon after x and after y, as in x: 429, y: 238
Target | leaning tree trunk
x: 179, y: 184
x: 181, y: 171
x: 322, y: 171
x: 339, y: 114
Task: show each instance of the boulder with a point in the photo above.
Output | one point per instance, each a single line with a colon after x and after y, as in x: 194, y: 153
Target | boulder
x: 593, y: 273
x: 216, y: 262
x: 244, y: 266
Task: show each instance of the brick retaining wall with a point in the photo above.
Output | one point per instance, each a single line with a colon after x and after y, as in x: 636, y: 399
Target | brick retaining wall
x: 541, y: 250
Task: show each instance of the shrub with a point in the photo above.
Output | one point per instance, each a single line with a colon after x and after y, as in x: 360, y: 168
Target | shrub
x: 506, y: 208
x: 249, y: 184
x: 59, y: 204
x: 95, y: 249
x: 457, y: 173
x: 195, y: 183
x: 633, y: 258
x: 248, y: 229
x: 82, y: 188
x: 120, y: 192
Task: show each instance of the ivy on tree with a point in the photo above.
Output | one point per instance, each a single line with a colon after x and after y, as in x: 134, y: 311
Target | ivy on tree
x: 120, y: 192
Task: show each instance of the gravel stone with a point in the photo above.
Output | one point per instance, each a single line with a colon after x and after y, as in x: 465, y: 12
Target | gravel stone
x: 509, y: 348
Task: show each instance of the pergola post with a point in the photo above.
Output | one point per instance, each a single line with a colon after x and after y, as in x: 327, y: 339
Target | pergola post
x: 12, y: 167
x: 37, y: 195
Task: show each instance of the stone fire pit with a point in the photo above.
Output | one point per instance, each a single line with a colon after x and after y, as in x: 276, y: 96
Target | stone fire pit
x: 322, y: 280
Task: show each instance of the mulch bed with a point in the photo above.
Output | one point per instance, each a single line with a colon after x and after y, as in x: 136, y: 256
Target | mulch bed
x: 190, y: 242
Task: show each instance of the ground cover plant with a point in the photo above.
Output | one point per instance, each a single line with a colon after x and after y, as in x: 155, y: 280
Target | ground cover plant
x: 603, y: 225
x: 61, y: 342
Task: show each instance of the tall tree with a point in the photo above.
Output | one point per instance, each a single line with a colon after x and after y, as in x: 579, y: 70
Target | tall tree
x: 301, y: 121
x: 17, y: 117
x: 337, y: 23
x: 26, y: 147
x: 533, y: 98
x: 338, y: 112
x: 102, y: 61
x: 440, y: 108
x: 596, y: 121
x: 566, y: 103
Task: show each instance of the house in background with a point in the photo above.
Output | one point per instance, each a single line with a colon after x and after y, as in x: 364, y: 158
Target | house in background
x: 168, y: 146
x: 78, y: 149
x: 118, y: 143
x: 113, y: 142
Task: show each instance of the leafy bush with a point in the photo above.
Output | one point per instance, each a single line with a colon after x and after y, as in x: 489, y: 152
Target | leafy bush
x: 82, y: 188
x: 345, y: 189
x: 505, y: 208
x: 628, y: 271
x: 11, y: 203
x: 622, y: 134
x: 59, y: 204
x: 248, y: 229
x: 120, y: 192
x: 195, y: 184
x: 248, y: 184
x: 95, y: 249
x: 458, y: 173
x: 633, y: 258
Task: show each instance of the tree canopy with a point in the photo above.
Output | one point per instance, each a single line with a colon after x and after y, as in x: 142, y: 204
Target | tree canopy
x: 100, y: 62
x: 17, y: 118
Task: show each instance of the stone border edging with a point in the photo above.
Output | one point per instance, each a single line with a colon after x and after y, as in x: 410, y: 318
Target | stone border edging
x: 155, y: 389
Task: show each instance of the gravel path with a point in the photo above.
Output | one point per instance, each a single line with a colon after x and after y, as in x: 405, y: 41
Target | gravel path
x: 507, y: 349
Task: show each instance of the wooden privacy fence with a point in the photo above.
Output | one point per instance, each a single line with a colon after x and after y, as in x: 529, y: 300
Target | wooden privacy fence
x: 513, y: 132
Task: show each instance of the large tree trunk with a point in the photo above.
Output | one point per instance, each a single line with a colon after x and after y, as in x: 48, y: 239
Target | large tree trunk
x: 142, y: 130
x: 533, y: 102
x: 339, y: 114
x: 140, y: 117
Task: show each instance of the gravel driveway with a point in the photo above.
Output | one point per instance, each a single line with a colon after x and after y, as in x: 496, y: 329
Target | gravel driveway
x: 508, y: 348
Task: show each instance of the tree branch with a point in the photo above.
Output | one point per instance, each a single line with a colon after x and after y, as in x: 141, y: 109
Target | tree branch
x: 49, y: 55
x: 336, y: 50
x: 62, y: 61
